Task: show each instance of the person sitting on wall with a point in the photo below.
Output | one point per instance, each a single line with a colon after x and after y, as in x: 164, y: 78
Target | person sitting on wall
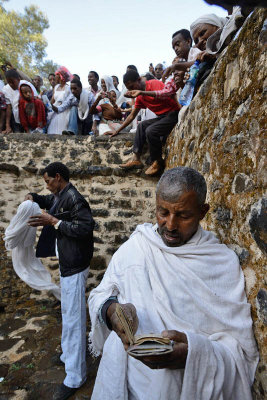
x: 200, y: 30
x: 11, y: 92
x: 67, y: 233
x: 38, y: 83
x: 116, y: 84
x: 80, y: 102
x: 93, y: 79
x: 31, y: 110
x: 151, y: 130
x: 177, y: 279
x: 111, y: 115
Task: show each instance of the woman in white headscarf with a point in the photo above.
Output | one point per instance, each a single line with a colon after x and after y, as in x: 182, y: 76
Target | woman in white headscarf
x: 106, y: 104
x: 203, y: 27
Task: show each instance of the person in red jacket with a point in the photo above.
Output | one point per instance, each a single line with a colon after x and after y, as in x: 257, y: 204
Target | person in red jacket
x: 31, y: 110
x: 153, y: 131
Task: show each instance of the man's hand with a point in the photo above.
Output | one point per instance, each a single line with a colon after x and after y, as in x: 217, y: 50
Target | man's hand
x: 54, y: 108
x: 111, y: 133
x: 130, y: 311
x: 42, y: 220
x: 168, y: 71
x: 132, y: 94
x: 28, y: 197
x: 174, y: 360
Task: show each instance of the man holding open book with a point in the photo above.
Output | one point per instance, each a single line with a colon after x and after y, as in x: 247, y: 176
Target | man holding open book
x: 170, y: 317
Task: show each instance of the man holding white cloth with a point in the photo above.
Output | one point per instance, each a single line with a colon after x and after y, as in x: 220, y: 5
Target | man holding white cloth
x: 182, y: 282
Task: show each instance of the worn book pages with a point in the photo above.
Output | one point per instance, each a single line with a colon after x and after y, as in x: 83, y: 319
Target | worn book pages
x: 142, y: 345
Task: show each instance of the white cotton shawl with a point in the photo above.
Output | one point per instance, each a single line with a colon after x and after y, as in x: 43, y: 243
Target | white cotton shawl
x: 20, y: 238
x: 211, y: 19
x: 83, y: 106
x: 197, y: 288
x: 109, y: 83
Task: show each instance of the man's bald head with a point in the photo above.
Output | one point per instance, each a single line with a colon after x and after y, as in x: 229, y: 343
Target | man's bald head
x: 176, y: 181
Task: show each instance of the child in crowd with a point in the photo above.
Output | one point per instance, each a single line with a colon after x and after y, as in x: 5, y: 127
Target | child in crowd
x: 2, y: 111
x: 111, y: 113
x: 31, y: 110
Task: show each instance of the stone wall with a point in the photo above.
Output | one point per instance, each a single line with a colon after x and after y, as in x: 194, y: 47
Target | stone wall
x: 221, y: 134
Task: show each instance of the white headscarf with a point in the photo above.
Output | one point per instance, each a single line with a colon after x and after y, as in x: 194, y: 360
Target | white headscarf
x: 109, y: 83
x: 211, y: 19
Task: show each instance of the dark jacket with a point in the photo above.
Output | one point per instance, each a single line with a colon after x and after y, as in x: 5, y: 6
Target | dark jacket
x: 75, y: 233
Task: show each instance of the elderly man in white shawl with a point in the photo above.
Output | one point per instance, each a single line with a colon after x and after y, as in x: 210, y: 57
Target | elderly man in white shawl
x: 183, y: 283
x: 79, y: 101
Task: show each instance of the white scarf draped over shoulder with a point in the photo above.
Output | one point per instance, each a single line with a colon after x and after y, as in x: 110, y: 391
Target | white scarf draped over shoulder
x: 20, y: 239
x: 83, y: 106
x: 197, y: 288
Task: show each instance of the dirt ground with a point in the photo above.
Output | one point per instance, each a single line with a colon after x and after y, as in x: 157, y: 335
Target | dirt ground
x: 30, y: 331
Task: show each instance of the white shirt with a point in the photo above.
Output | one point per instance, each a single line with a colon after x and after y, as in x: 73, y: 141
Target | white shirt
x: 12, y: 97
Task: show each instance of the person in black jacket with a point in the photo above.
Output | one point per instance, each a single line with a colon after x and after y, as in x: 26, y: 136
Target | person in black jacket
x: 67, y: 233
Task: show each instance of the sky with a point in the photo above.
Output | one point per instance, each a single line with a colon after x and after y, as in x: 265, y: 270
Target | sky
x: 107, y: 35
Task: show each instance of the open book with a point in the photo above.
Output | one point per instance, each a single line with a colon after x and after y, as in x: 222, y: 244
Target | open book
x: 143, y: 345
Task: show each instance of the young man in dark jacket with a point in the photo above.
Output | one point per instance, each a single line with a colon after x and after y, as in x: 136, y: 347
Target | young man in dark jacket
x: 67, y: 233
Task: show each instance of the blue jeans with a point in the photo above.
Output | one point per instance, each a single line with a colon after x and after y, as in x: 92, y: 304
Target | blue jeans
x: 77, y: 126
x: 73, y: 120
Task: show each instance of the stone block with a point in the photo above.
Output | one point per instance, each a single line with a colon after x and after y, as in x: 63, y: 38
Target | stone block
x: 96, y: 201
x: 10, y: 168
x: 120, y: 239
x: 114, y: 226
x: 216, y: 185
x: 98, y: 263
x: 223, y: 215
x: 127, y: 214
x: 121, y: 203
x: 258, y: 223
x: 114, y: 158
x: 100, y: 212
x: 97, y: 170
x: 129, y: 192
x: 242, y: 183
x: 261, y: 303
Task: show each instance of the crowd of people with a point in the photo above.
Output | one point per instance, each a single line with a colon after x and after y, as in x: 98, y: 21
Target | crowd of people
x: 174, y: 278
x: 147, y: 104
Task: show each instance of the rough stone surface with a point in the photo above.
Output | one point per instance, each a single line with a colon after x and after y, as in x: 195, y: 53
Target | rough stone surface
x: 231, y: 131
x: 221, y: 135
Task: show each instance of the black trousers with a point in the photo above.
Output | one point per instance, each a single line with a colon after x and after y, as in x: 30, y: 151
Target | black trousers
x: 155, y: 132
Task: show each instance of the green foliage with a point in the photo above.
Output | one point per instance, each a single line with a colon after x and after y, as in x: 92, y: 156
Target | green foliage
x: 21, y: 40
x: 15, y: 367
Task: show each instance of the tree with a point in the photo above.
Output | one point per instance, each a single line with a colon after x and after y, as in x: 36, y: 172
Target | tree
x: 21, y: 39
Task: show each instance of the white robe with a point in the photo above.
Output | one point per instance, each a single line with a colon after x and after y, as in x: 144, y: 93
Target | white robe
x: 20, y: 238
x: 58, y: 122
x: 197, y: 288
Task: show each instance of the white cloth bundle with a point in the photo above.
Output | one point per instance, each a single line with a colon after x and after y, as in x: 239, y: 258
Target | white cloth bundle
x: 83, y: 107
x: 211, y: 19
x: 20, y: 238
x: 197, y: 288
